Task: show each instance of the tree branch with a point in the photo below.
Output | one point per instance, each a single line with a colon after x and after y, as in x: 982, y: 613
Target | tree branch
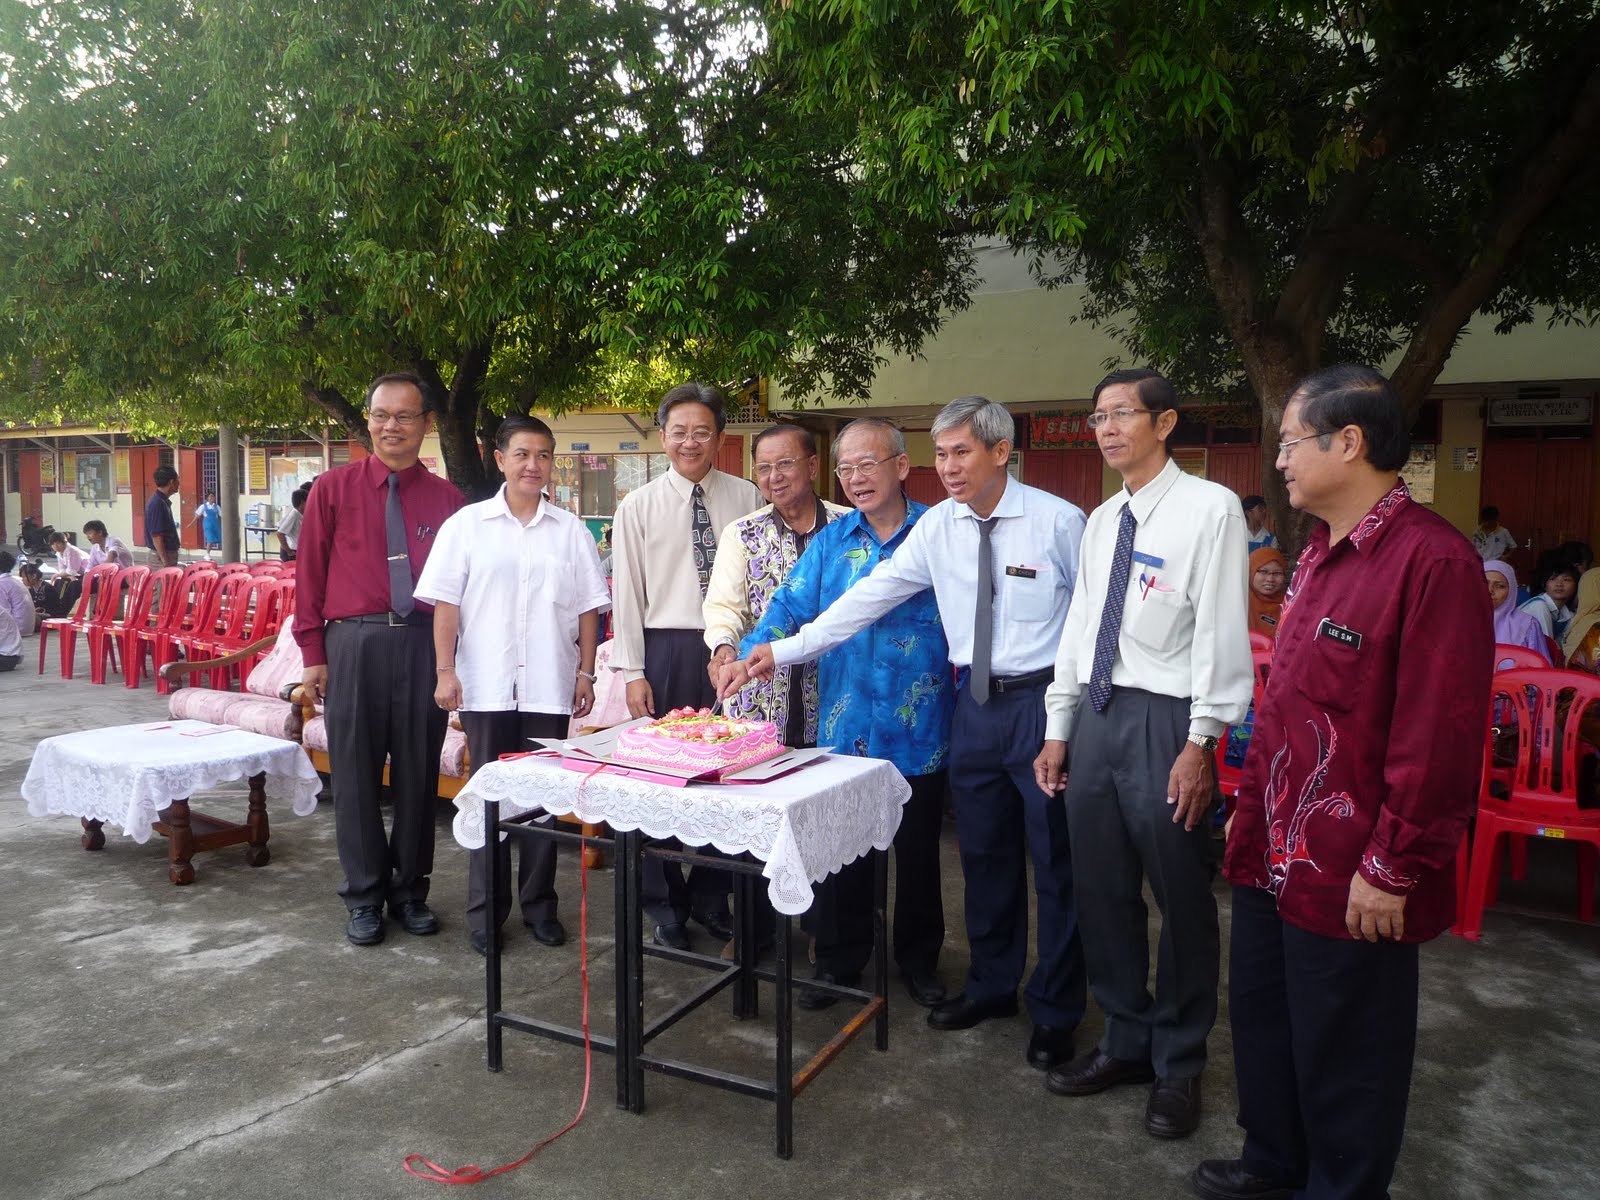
x: 344, y: 414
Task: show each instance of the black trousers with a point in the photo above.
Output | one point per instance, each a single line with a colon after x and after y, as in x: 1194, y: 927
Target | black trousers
x: 841, y: 913
x: 380, y: 705
x: 489, y: 735
x: 1324, y: 1033
x: 675, y: 667
x: 1003, y: 820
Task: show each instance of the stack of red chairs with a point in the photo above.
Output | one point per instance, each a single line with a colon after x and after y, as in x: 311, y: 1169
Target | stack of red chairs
x: 157, y: 607
x: 226, y: 598
x: 95, y: 580
x: 106, y: 628
x: 1535, y: 805
x: 247, y: 605
x: 194, y: 607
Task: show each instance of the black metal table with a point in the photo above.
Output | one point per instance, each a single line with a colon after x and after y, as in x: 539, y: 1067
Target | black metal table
x: 630, y: 1040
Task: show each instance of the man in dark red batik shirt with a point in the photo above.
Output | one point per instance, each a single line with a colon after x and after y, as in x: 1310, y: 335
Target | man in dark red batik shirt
x: 368, y: 649
x: 1362, y: 774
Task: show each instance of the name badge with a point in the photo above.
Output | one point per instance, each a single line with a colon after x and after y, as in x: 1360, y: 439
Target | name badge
x: 1022, y: 572
x: 1149, y: 560
x: 1347, y: 637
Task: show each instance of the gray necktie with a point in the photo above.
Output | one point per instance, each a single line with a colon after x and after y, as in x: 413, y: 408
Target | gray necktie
x: 394, y: 527
x: 983, y: 616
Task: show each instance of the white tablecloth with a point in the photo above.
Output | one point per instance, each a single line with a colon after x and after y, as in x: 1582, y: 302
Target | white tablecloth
x: 125, y: 775
x: 804, y: 826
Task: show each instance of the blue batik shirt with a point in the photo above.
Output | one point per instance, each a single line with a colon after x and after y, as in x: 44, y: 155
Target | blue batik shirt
x: 887, y: 692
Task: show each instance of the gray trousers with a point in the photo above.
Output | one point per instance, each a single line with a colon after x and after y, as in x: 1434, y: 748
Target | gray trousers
x: 1122, y: 833
x: 380, y: 704
x: 489, y: 735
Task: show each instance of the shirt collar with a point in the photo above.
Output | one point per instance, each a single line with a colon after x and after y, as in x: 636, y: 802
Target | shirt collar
x: 498, y: 507
x: 855, y: 521
x: 1144, y: 501
x: 783, y: 526
x: 1369, y: 531
x: 378, y: 474
x: 684, y: 486
x: 1010, y: 504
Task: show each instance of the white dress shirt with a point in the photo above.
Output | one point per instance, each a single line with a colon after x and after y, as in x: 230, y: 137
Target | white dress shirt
x: 1035, y: 553
x: 289, y: 527
x: 112, y: 550
x: 73, y: 560
x: 521, y: 589
x: 10, y: 636
x: 1185, y: 618
x: 652, y: 565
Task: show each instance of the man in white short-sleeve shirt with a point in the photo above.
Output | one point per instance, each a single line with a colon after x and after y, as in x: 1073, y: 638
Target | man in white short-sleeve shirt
x: 517, y: 592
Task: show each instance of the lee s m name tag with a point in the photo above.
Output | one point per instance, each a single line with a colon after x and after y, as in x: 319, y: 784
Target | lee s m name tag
x: 1347, y: 637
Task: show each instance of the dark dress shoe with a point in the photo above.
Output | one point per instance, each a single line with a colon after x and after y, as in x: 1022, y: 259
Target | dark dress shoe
x: 549, y: 931
x: 415, y: 917
x: 962, y: 1013
x: 1227, y: 1179
x: 1049, y: 1047
x: 1174, y: 1108
x: 1095, y: 1072
x: 674, y: 935
x: 815, y: 999
x: 925, y: 988
x: 480, y: 941
x: 718, y: 924
x: 366, y: 925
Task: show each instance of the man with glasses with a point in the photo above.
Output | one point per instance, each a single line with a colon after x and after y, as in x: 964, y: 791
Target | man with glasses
x: 367, y: 643
x: 664, y: 546
x: 1361, y: 778
x: 885, y: 694
x: 1154, y: 665
x: 1001, y: 558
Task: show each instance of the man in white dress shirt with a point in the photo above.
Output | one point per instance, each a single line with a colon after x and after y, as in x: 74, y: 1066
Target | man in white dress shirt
x: 517, y: 593
x: 106, y: 546
x: 68, y: 557
x: 663, y: 548
x: 1154, y: 665
x: 1001, y: 558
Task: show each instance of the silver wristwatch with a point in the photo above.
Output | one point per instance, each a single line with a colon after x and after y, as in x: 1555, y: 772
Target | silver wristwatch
x: 1204, y: 741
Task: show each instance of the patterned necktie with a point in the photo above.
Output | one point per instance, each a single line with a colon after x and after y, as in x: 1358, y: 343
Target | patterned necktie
x: 394, y: 528
x: 703, y: 538
x: 983, y: 617
x: 1105, y: 642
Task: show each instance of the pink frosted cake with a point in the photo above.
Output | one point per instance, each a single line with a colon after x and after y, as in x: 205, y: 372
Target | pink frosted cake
x: 692, y: 740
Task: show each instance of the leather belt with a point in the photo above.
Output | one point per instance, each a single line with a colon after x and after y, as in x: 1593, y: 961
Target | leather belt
x: 393, y: 620
x: 1015, y: 683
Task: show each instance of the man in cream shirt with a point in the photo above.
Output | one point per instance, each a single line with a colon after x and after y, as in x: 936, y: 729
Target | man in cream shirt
x: 664, y: 546
x: 1154, y: 664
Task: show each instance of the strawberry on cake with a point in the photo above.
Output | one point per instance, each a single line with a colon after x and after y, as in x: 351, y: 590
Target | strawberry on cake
x: 692, y: 740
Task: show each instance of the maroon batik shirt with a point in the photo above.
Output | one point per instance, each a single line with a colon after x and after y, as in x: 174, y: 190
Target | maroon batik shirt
x: 1369, y: 740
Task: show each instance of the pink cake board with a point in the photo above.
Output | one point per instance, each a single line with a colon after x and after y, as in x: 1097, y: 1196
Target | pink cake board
x: 598, y: 750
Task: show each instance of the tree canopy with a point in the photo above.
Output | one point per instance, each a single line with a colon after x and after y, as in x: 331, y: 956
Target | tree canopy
x: 1249, y: 190
x: 248, y: 210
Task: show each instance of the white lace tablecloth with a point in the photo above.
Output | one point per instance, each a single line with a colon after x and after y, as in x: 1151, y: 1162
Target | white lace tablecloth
x: 804, y: 826
x: 125, y: 775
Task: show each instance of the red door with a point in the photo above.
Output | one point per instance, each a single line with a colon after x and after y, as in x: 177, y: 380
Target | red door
x: 28, y: 481
x: 142, y: 463
x: 923, y: 485
x: 1542, y: 488
x: 1074, y: 475
x: 1237, y: 468
x: 731, y: 457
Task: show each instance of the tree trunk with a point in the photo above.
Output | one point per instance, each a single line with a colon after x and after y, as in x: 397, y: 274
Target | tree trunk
x: 228, y: 488
x: 457, y: 422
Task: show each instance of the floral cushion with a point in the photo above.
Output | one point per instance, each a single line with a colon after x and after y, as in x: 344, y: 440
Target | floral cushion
x: 452, y: 759
x: 273, y: 718
x: 315, y: 735
x: 281, y: 667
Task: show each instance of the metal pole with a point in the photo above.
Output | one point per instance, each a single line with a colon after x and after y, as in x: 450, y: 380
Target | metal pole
x: 228, y: 488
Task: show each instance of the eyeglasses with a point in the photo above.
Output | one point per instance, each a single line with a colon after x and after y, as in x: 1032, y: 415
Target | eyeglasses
x: 848, y: 471
x: 1117, y: 416
x: 1285, y: 447
x: 783, y: 466
x: 404, y: 420
x: 677, y: 437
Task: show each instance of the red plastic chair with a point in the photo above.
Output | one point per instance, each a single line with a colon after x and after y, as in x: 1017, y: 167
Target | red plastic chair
x: 1229, y: 776
x: 192, y: 596
x: 68, y: 628
x: 266, y: 568
x: 158, y: 608
x: 231, y: 568
x: 249, y: 608
x: 227, y: 597
x: 105, y: 636
x: 1535, y: 806
x: 1260, y: 643
x: 1506, y: 657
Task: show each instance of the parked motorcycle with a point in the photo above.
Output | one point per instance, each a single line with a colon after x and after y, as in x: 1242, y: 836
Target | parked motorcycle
x: 35, y: 538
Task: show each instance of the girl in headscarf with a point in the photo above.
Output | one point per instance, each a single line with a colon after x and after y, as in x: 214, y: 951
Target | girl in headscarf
x: 1581, y: 646
x: 1269, y: 575
x: 1512, y: 626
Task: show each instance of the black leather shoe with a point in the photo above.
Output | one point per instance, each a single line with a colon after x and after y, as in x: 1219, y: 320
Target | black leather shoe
x: 962, y: 1013
x: 1174, y: 1108
x: 718, y: 924
x: 1049, y: 1047
x: 674, y: 935
x: 925, y: 988
x: 1095, y: 1072
x: 548, y: 931
x: 814, y: 999
x: 366, y: 926
x: 1227, y: 1179
x: 415, y: 917
x: 480, y: 941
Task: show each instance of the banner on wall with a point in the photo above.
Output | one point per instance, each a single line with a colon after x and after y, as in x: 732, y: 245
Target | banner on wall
x: 68, y: 482
x: 47, y: 471
x: 1060, y: 431
x: 122, y: 472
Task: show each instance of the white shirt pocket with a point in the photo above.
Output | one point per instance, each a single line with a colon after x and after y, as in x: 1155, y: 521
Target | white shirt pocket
x: 1030, y: 599
x: 1155, y: 619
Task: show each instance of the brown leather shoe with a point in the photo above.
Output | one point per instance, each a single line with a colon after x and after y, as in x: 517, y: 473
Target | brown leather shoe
x: 1174, y: 1108
x: 1095, y: 1072
x: 1228, y: 1179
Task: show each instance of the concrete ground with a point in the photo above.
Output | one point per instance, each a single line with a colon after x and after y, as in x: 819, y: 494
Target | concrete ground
x: 224, y: 1040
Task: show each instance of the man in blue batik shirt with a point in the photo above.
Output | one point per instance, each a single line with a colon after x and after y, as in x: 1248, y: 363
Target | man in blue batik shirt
x: 887, y: 693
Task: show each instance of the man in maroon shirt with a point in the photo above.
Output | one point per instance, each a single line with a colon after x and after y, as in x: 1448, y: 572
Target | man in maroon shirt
x: 368, y: 650
x: 1361, y: 776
